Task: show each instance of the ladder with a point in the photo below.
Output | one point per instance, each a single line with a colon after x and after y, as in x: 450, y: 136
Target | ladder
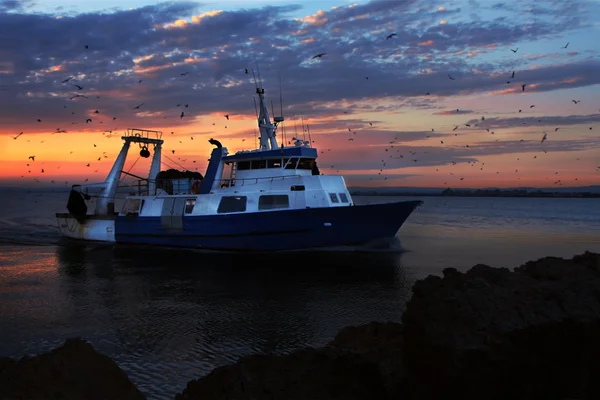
x: 232, y: 175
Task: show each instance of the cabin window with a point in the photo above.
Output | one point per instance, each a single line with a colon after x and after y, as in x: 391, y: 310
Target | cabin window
x: 132, y: 206
x: 297, y: 188
x: 272, y: 202
x: 334, y: 198
x: 290, y: 163
x: 343, y: 197
x: 306, y: 163
x: 274, y: 163
x: 243, y: 165
x: 189, y: 205
x: 259, y: 164
x: 231, y: 204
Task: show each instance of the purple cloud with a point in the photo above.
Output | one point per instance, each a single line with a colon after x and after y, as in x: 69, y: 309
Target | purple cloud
x: 214, y: 49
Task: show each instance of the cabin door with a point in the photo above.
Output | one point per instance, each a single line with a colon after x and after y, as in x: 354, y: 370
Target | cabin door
x: 298, y: 199
x: 171, y: 216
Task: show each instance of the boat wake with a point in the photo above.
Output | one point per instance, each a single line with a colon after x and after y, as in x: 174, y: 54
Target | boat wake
x: 28, y: 231
x: 387, y: 245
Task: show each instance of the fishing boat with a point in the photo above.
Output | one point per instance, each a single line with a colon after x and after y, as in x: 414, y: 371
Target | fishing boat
x: 271, y: 198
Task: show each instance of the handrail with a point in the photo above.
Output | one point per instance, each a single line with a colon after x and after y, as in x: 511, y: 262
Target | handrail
x: 234, y: 181
x: 175, y: 185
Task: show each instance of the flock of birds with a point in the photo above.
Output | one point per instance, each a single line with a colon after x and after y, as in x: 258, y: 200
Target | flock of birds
x: 389, y: 149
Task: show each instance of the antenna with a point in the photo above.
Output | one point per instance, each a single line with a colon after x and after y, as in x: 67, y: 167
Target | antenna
x: 255, y: 107
x: 272, y: 109
x: 309, y: 139
x: 258, y: 70
x: 295, y: 128
x: 303, y: 130
x: 281, y: 108
x: 254, y: 75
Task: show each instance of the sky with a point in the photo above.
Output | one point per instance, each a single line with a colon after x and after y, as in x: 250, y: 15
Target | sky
x: 434, y: 105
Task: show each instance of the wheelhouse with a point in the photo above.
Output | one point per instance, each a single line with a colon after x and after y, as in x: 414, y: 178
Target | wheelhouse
x: 291, y: 161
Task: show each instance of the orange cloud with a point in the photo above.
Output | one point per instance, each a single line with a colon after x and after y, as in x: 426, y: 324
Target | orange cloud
x: 54, y: 68
x: 426, y: 43
x: 194, y: 60
x: 443, y: 22
x: 180, y: 23
x: 572, y: 80
x: 317, y: 19
x: 512, y: 90
x: 300, y: 32
x: 196, y: 19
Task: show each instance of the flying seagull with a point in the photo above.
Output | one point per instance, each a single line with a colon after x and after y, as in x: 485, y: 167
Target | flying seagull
x: 391, y: 35
x: 319, y: 55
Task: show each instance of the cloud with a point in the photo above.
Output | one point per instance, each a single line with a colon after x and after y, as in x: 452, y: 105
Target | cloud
x: 453, y: 112
x: 156, y: 44
x: 171, y: 54
x: 553, y: 120
x: 14, y: 5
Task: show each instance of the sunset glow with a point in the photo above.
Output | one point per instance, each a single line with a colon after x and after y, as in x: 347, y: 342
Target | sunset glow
x: 433, y: 105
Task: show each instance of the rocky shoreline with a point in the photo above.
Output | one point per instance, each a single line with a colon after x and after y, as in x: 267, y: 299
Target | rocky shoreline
x: 531, y: 333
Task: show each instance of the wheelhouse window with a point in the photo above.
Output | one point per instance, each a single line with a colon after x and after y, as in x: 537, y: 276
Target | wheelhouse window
x: 290, y: 163
x: 334, y: 198
x: 132, y: 206
x: 306, y: 163
x: 272, y: 202
x: 243, y: 165
x: 274, y: 163
x: 343, y: 197
x: 259, y: 164
x: 189, y: 205
x: 230, y: 204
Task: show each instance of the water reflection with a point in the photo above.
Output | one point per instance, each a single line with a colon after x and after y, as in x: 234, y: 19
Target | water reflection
x: 171, y: 315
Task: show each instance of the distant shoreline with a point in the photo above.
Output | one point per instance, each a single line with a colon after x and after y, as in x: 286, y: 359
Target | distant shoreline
x: 429, y: 192
x: 480, y: 194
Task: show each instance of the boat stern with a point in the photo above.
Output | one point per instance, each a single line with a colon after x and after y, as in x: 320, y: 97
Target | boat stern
x: 93, y: 227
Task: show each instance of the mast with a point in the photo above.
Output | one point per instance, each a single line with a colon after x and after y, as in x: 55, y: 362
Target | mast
x: 266, y: 127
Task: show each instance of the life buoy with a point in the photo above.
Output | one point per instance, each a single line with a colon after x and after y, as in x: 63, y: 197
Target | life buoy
x: 196, y: 186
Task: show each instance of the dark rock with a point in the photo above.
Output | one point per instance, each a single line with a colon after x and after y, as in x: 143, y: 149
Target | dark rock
x: 73, y: 371
x: 488, y: 333
x: 304, y: 374
x: 380, y: 343
x: 449, y: 271
x: 495, y: 334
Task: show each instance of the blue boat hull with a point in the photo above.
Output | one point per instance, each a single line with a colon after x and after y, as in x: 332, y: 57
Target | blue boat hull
x: 273, y: 230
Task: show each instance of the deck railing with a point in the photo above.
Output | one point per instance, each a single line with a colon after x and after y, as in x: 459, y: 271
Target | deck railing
x: 223, y: 183
x: 183, y: 186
